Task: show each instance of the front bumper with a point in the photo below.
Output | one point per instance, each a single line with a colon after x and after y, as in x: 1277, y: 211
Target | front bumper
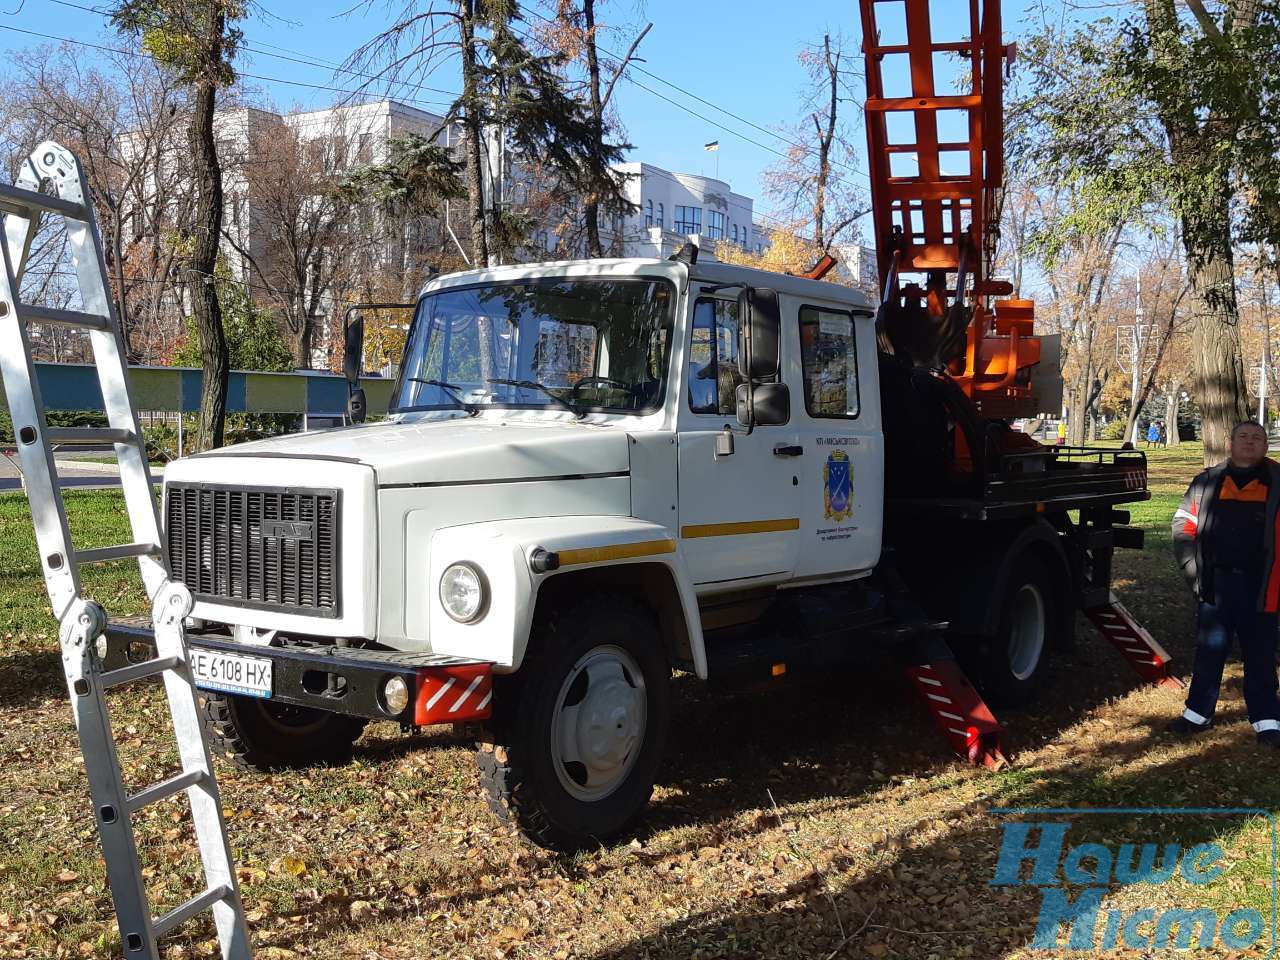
x: 343, y: 680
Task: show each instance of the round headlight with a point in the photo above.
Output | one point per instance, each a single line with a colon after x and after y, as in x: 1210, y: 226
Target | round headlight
x: 463, y: 592
x: 395, y: 694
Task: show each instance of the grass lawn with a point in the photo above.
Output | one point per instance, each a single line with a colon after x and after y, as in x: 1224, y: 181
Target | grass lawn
x: 880, y: 844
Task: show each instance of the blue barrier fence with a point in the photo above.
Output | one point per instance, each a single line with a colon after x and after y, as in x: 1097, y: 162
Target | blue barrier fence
x: 311, y: 393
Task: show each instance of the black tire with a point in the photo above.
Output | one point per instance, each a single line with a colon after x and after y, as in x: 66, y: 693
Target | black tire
x: 528, y: 782
x: 266, y: 735
x: 1011, y: 668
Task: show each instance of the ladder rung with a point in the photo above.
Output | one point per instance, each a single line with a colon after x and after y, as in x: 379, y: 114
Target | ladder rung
x: 65, y: 318
x: 89, y: 435
x: 138, y: 671
x: 120, y: 552
x: 23, y: 202
x: 182, y: 914
x: 165, y: 788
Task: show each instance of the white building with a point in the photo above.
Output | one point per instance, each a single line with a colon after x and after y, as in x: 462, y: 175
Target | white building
x: 675, y: 207
x: 355, y: 135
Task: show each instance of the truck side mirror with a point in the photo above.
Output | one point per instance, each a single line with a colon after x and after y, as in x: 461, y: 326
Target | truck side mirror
x: 766, y: 404
x: 353, y: 347
x: 759, y: 356
x: 759, y: 332
x: 352, y: 361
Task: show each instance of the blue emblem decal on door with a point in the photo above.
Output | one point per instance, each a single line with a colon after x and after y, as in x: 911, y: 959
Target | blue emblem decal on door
x: 837, y: 479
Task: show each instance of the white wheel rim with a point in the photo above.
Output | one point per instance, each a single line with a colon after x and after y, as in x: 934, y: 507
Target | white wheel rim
x: 1027, y: 631
x: 598, y: 726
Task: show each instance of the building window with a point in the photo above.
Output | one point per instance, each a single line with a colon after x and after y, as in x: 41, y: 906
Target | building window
x: 660, y: 215
x: 713, y: 357
x: 735, y: 233
x: 829, y: 357
x: 715, y: 225
x: 648, y: 213
x: 688, y: 220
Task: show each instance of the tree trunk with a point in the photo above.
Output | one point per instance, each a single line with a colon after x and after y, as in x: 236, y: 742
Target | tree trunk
x: 1172, y: 403
x: 1078, y: 412
x: 1198, y: 149
x: 594, y: 247
x: 1219, y: 382
x: 200, y: 268
x: 825, y: 139
x: 474, y: 131
x: 117, y: 269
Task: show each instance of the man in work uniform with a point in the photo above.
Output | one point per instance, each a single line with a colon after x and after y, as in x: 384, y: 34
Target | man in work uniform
x: 1225, y: 537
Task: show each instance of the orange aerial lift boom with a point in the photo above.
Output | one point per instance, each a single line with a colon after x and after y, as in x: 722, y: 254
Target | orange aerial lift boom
x: 936, y: 162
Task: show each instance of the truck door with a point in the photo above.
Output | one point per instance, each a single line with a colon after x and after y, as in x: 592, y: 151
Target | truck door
x: 738, y: 513
x: 842, y: 477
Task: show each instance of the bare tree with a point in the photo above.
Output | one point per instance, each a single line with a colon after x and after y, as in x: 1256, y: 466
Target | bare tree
x: 121, y: 117
x: 312, y: 240
x: 813, y: 189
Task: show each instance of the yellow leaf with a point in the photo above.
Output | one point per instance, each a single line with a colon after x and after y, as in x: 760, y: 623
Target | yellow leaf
x: 293, y: 866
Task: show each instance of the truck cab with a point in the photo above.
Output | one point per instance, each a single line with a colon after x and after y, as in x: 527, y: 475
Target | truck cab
x: 590, y: 474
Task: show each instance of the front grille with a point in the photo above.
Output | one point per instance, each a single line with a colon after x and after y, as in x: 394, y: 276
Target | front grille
x: 264, y: 547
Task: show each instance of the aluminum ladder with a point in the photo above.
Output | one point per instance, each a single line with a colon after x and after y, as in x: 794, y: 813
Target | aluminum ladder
x: 83, y: 621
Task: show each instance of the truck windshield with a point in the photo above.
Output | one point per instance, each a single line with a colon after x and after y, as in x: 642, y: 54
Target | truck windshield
x: 588, y: 344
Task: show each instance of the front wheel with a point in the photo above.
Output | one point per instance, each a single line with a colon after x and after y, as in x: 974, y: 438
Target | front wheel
x: 268, y: 735
x: 579, y: 742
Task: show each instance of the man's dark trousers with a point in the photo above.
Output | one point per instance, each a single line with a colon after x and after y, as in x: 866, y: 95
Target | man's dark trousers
x: 1235, y: 611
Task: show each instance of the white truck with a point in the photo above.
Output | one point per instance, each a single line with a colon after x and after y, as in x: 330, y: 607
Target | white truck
x: 595, y: 473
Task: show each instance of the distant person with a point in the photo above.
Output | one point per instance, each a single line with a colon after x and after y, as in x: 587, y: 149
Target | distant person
x: 1164, y: 435
x: 1062, y: 433
x: 1153, y: 434
x: 1226, y: 541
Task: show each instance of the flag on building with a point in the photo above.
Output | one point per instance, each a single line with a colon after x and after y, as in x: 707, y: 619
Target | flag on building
x: 713, y: 145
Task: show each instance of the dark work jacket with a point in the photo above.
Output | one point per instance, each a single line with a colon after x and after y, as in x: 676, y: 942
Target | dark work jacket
x: 1194, y: 519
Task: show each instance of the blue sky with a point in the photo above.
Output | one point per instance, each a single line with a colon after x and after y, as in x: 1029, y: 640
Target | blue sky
x: 738, y: 54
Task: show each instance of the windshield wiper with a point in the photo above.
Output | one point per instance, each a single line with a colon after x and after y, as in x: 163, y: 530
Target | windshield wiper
x: 534, y: 385
x: 455, y: 392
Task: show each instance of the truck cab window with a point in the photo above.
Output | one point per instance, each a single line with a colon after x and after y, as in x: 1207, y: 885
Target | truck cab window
x: 594, y: 344
x: 829, y: 354
x: 713, y: 358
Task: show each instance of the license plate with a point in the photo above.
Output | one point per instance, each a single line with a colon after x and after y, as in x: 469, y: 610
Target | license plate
x: 231, y: 672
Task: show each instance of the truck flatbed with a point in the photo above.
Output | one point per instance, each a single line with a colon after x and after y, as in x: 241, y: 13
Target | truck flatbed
x: 1043, y: 481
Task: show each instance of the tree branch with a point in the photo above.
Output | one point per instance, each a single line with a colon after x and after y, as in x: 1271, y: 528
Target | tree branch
x: 617, y: 74
x: 1207, y: 23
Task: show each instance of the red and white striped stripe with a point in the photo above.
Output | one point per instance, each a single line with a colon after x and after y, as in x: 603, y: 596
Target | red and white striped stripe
x: 454, y: 694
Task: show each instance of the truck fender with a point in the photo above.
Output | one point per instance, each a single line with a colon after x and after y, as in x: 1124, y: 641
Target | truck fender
x: 538, y: 561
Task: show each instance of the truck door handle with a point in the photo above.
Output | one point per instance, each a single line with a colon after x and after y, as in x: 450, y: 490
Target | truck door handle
x: 788, y: 450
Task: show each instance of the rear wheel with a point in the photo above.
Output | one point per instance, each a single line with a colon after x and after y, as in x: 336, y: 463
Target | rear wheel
x: 1011, y: 667
x: 269, y: 735
x: 580, y: 736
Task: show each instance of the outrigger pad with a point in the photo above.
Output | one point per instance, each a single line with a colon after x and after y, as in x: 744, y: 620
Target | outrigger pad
x: 960, y: 713
x: 1149, y: 660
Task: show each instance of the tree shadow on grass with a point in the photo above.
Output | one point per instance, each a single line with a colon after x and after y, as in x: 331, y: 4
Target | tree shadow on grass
x: 928, y: 892
x: 846, y: 734
x: 30, y: 678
